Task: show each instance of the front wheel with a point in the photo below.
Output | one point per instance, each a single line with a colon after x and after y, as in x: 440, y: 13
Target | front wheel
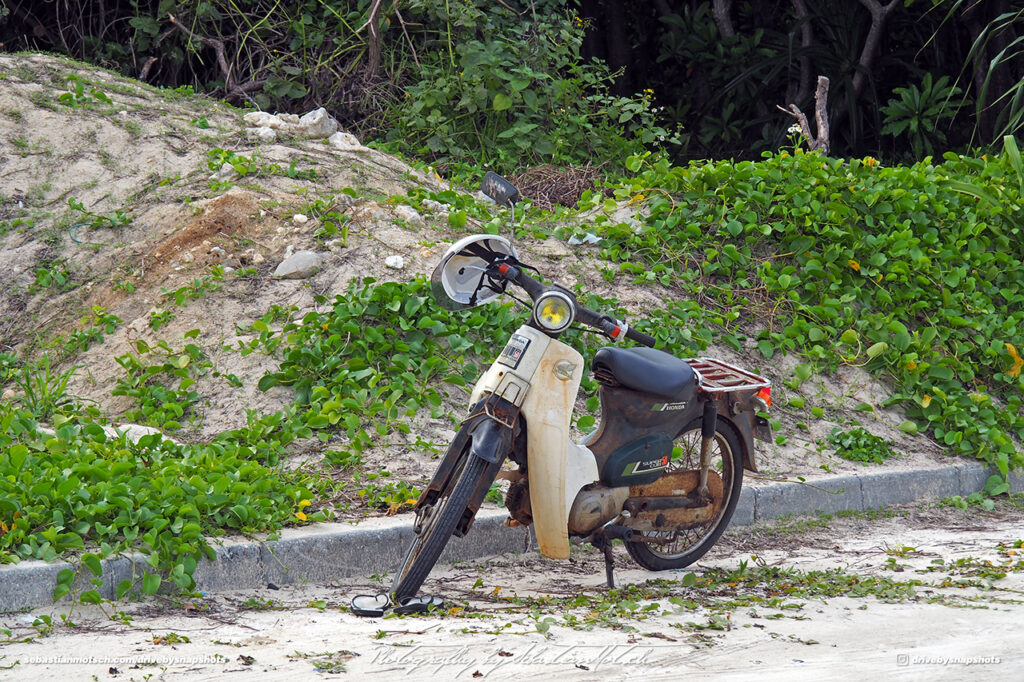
x: 439, y: 524
x: 677, y: 549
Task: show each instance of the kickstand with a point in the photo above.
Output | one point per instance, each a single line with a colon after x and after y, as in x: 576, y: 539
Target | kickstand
x: 609, y: 563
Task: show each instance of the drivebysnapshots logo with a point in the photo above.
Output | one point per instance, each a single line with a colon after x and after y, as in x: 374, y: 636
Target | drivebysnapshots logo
x: 904, y: 660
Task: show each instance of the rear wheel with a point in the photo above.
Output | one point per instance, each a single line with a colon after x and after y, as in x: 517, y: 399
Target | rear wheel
x: 438, y: 524
x: 677, y: 549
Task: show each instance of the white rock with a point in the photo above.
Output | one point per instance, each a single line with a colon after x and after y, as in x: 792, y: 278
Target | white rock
x: 299, y: 266
x: 135, y: 431
x: 226, y: 173
x: 291, y: 119
x: 340, y: 140
x: 300, y: 219
x: 257, y: 119
x: 395, y: 262
x: 434, y: 205
x: 409, y: 215
x: 317, y: 123
x: 262, y: 134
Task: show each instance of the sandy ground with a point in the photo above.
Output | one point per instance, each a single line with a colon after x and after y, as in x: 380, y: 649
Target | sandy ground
x: 491, y: 626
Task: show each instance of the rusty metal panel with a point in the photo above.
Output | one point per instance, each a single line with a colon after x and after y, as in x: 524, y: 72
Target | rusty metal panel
x: 675, y: 484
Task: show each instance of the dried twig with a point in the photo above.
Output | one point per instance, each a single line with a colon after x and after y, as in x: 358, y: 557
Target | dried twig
x: 218, y: 48
x: 821, y: 141
x: 401, y: 22
x: 549, y: 185
x: 144, y: 72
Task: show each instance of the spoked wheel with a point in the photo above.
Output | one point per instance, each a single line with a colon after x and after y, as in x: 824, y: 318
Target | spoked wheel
x: 437, y: 524
x: 676, y: 549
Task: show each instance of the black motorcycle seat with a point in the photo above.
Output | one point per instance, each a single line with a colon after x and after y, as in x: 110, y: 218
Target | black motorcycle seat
x: 649, y: 370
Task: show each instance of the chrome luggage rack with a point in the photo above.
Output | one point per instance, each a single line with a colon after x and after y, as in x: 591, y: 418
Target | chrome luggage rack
x: 715, y: 376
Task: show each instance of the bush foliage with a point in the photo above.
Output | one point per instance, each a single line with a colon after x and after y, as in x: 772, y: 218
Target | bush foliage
x: 912, y: 271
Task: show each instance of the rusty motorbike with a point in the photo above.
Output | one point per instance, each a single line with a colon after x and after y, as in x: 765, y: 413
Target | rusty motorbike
x: 662, y: 472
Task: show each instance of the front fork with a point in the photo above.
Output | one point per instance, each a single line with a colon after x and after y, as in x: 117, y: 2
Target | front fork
x: 481, y: 435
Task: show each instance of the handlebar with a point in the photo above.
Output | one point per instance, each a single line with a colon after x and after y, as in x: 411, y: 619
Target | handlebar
x: 607, y: 325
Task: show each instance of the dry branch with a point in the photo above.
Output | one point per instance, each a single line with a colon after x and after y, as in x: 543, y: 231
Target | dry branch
x: 218, y: 48
x: 821, y: 140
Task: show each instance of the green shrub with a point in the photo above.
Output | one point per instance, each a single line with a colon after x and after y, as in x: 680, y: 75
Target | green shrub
x: 84, y: 490
x: 515, y: 91
x: 912, y: 271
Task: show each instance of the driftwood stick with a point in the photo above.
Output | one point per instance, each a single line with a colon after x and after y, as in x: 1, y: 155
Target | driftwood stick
x: 821, y: 113
x: 821, y: 140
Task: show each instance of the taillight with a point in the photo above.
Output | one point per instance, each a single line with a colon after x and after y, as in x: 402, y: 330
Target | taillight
x: 764, y: 396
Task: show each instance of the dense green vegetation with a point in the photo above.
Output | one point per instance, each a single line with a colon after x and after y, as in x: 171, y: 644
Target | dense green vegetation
x: 913, y: 271
x: 558, y: 81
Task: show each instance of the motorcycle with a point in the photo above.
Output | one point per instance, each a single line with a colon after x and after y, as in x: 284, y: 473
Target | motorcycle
x: 662, y: 472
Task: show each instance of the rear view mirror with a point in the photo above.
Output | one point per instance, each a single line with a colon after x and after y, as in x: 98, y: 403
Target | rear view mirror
x: 498, y: 188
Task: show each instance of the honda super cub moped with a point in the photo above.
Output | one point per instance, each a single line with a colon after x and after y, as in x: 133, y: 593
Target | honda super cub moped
x: 662, y: 472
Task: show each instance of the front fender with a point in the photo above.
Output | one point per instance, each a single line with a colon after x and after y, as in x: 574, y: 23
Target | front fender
x: 491, y: 441
x: 479, y: 436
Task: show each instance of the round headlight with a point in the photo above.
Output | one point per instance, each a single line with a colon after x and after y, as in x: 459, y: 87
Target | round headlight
x: 554, y: 311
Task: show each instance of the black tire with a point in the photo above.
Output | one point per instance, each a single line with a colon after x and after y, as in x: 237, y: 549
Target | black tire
x: 439, y: 526
x: 691, y: 544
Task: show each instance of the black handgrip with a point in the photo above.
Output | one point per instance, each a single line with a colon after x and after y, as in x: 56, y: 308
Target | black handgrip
x: 640, y: 337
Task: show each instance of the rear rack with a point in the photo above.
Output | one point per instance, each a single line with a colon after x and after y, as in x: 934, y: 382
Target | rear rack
x: 715, y: 376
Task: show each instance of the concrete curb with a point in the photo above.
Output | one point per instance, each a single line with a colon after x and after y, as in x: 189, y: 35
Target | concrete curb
x: 326, y: 552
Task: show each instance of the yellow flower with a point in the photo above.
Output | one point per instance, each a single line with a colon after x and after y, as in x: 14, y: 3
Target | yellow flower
x: 302, y: 517
x: 855, y: 265
x: 1018, y: 362
x: 926, y: 400
x: 304, y: 503
x: 870, y: 161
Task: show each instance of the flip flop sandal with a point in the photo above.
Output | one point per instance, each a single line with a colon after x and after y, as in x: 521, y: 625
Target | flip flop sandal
x: 371, y: 605
x: 418, y: 604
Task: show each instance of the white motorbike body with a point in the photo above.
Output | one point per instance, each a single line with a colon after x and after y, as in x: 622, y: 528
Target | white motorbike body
x: 541, y: 376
